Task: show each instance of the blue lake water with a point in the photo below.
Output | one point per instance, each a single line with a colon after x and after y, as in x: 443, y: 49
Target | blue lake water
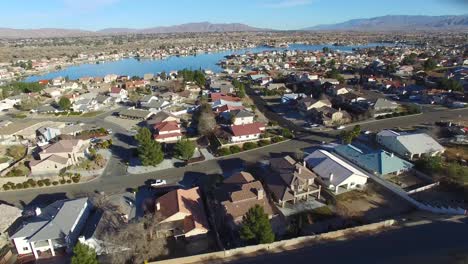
x: 132, y: 67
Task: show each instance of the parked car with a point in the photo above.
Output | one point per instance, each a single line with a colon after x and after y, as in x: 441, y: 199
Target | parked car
x: 158, y: 182
x: 367, y: 132
x: 340, y: 127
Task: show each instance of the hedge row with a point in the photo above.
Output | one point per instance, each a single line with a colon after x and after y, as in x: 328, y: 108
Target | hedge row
x: 39, y: 183
x: 396, y: 115
x: 248, y: 146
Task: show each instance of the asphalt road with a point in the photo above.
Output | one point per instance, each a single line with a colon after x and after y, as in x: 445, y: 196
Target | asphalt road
x: 115, y: 178
x: 437, y: 242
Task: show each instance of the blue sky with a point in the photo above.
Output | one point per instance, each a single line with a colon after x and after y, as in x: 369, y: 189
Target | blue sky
x: 276, y: 14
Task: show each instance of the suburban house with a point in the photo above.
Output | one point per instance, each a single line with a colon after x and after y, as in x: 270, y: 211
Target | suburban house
x: 242, y: 117
x: 337, y: 174
x: 57, y: 156
x: 46, y: 134
x: 132, y: 113
x: 223, y: 87
x: 328, y: 116
x: 53, y: 228
x: 291, y: 181
x: 118, y: 93
x: 7, y: 104
x: 156, y: 105
x: 276, y: 86
x: 377, y: 162
x: 291, y: 98
x: 246, y: 132
x: 409, y: 145
x: 52, y: 92
x: 337, y: 90
x: 167, y: 132
x: 85, y: 105
x: 219, y: 99
x: 237, y: 195
x: 384, y: 106
x: 181, y: 213
x: 308, y: 103
x: 161, y: 116
x: 145, y: 100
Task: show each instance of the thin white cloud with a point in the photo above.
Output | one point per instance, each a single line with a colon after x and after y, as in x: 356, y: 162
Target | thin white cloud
x: 288, y: 3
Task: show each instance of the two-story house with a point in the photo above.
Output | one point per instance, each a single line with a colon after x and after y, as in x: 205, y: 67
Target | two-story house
x: 167, y: 132
x: 291, y: 181
x: 236, y: 196
x: 181, y: 213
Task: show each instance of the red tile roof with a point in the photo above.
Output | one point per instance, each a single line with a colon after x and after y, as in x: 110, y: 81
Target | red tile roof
x: 217, y: 96
x: 167, y: 126
x: 228, y: 108
x: 248, y: 129
x: 115, y: 90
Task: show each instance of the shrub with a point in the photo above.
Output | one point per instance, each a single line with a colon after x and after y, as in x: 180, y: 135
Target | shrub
x: 54, y: 183
x: 19, y: 186
x: 6, y: 187
x: 388, y: 115
x: 249, y: 145
x: 13, y: 187
x: 235, y: 149
x: 75, y: 179
x: 47, y: 183
x: 263, y: 142
x: 69, y: 181
x: 25, y: 185
x: 62, y: 181
x: 276, y: 139
x: 40, y: 183
x: 224, y: 151
x: 287, y: 133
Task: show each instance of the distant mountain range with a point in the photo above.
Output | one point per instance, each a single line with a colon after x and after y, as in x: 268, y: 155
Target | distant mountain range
x: 399, y: 23
x: 183, y: 28
x: 383, y: 23
x: 190, y: 27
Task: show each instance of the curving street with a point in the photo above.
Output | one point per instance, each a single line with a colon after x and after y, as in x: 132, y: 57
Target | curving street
x: 116, y: 179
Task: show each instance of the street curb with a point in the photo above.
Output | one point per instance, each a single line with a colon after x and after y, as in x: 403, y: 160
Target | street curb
x: 217, y: 158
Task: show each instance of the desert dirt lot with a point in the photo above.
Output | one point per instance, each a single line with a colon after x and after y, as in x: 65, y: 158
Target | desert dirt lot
x: 372, y: 203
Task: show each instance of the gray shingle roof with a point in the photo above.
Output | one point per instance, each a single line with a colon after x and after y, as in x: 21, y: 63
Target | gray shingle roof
x: 55, y: 220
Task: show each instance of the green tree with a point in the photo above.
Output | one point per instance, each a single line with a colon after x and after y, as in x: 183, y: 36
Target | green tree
x: 451, y: 85
x: 64, y: 103
x: 184, y: 149
x: 163, y: 75
x: 356, y: 131
x: 149, y: 150
x: 82, y: 254
x: 429, y: 64
x: 256, y: 227
x: 346, y: 137
x: 241, y: 91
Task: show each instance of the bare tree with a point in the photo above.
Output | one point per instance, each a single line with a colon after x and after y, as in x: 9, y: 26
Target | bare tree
x: 135, y: 242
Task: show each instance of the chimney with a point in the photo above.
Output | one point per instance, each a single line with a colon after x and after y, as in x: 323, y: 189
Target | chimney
x: 299, y: 170
x: 331, y: 177
x: 392, y: 155
x: 260, y: 194
x: 158, y: 206
x: 38, y: 211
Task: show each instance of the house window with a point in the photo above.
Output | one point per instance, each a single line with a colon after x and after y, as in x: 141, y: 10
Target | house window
x: 25, y: 249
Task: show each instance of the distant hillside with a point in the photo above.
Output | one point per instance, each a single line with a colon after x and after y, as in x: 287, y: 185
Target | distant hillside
x: 400, y: 23
x: 43, y: 33
x: 190, y: 27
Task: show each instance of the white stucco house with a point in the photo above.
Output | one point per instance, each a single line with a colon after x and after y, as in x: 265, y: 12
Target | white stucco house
x: 55, y: 227
x: 337, y: 174
x: 410, y: 145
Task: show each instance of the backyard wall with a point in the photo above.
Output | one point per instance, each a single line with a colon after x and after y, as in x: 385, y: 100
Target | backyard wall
x: 280, y: 245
